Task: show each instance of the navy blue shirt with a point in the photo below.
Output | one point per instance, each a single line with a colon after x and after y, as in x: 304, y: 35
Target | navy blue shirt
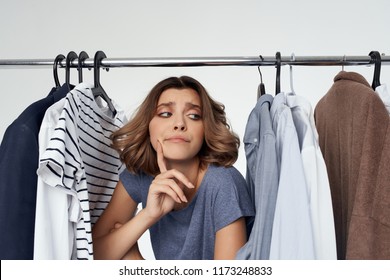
x: 19, y: 156
x: 189, y: 233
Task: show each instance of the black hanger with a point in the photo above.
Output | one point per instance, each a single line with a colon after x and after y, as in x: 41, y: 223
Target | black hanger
x: 58, y: 58
x: 261, y: 87
x: 82, y: 57
x: 98, y: 89
x: 71, y: 56
x: 376, y: 58
x: 278, y: 66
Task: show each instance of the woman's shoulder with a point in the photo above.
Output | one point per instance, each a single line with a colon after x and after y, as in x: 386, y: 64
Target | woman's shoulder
x: 139, y: 178
x: 228, y: 191
x: 136, y: 184
x: 222, y: 174
x: 224, y: 170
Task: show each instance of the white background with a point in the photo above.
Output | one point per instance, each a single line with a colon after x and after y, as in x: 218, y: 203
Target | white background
x: 41, y: 29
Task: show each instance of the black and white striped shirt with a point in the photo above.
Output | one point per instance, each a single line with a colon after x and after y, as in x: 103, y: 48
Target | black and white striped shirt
x: 79, y: 160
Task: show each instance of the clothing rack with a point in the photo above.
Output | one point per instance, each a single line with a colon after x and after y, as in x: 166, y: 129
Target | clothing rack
x: 202, y: 61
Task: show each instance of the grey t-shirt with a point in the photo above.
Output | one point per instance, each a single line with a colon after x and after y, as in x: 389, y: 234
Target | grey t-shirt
x: 189, y: 233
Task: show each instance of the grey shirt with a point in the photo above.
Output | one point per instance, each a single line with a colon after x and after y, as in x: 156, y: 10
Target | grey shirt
x: 189, y: 233
x: 262, y: 178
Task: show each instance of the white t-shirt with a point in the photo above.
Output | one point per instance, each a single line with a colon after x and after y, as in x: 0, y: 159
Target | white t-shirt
x: 384, y: 95
x: 77, y: 174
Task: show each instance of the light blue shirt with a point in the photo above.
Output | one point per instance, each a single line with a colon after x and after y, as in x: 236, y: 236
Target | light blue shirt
x: 292, y: 234
x: 262, y: 178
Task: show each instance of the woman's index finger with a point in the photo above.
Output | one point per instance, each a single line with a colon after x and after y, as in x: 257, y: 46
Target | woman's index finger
x: 160, y: 158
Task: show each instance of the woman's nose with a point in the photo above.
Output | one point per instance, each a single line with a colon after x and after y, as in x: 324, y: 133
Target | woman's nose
x: 179, y: 125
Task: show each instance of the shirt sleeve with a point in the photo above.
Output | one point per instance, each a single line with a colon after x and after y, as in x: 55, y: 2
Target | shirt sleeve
x: 132, y: 184
x: 61, y: 164
x: 231, y: 200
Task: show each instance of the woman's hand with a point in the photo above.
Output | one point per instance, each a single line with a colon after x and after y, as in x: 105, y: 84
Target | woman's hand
x: 166, y: 189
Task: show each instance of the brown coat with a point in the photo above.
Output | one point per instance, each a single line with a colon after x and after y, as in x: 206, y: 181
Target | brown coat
x: 354, y: 136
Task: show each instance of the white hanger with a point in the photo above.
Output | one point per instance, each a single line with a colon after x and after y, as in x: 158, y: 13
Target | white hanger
x: 344, y: 60
x: 291, y: 74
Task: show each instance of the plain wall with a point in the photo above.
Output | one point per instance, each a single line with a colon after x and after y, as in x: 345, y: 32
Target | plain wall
x: 180, y: 28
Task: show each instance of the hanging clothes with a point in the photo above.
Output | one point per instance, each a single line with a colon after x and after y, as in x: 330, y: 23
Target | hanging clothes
x: 79, y: 168
x: 384, y: 94
x: 262, y: 179
x: 292, y: 233
x: 317, y: 182
x: 353, y: 128
x: 18, y: 184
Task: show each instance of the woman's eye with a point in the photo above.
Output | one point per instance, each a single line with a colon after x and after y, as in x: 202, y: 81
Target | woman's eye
x: 195, y: 116
x: 165, y: 114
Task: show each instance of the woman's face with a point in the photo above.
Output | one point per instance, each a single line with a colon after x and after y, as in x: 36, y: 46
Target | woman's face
x: 178, y: 124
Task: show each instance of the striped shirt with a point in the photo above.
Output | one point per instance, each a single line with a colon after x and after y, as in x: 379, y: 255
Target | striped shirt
x: 79, y: 161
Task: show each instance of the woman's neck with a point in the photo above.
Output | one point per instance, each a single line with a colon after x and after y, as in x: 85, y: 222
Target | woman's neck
x: 190, y: 169
x: 194, y: 172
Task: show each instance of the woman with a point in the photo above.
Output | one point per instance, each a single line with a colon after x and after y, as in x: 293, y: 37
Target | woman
x: 179, y: 151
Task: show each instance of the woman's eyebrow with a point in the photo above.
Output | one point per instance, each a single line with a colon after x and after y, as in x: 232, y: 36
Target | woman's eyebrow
x: 167, y: 104
x: 193, y: 106
x: 188, y: 105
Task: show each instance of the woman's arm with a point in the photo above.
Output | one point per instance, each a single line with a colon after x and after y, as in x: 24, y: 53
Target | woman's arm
x: 133, y: 253
x: 113, y: 242
x: 116, y: 233
x: 229, y: 240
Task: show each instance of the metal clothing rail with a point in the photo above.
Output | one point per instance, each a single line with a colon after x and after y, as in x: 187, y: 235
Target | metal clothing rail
x: 201, y: 61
